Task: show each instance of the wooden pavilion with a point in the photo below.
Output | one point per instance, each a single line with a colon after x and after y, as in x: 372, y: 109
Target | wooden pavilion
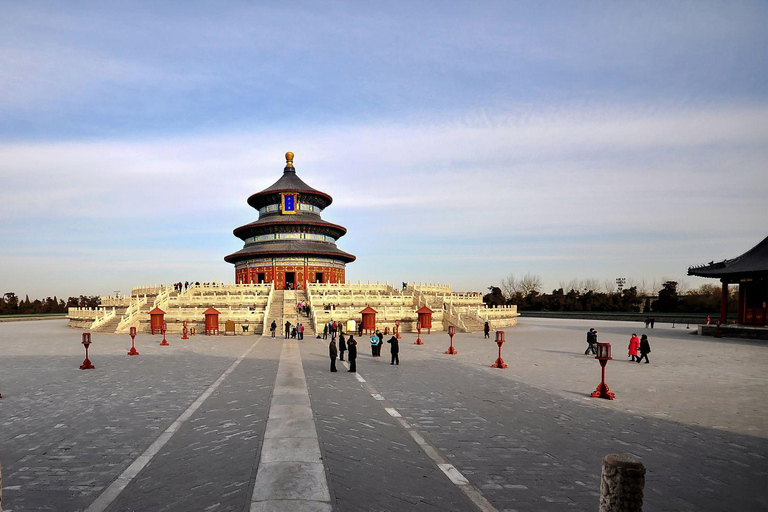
x: 750, y: 271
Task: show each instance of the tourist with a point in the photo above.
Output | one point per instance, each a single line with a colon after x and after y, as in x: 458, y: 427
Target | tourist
x: 360, y: 329
x: 301, y: 331
x: 645, y: 349
x: 653, y: 321
x: 591, y: 342
x: 394, y: 348
x: 287, y: 329
x: 381, y: 342
x: 352, y: 355
x: 293, y: 332
x: 634, y: 344
x: 332, y: 352
x: 374, y: 345
x: 647, y: 321
x: 325, y: 332
x: 487, y: 330
x: 342, y: 347
x: 273, y: 328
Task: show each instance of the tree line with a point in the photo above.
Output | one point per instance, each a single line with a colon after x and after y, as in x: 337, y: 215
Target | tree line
x: 591, y: 295
x: 10, y: 304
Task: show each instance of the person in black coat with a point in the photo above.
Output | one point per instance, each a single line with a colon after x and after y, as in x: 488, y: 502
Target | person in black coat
x: 273, y: 328
x: 645, y: 349
x: 394, y: 348
x: 591, y: 342
x: 287, y: 330
x: 333, y: 352
x: 352, y: 353
x: 487, y: 330
x: 342, y: 347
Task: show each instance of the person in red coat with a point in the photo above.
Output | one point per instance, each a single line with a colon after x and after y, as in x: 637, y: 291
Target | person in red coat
x: 634, y: 345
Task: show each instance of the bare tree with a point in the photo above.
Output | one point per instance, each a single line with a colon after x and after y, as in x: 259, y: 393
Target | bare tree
x: 529, y: 283
x: 590, y: 284
x: 509, y: 286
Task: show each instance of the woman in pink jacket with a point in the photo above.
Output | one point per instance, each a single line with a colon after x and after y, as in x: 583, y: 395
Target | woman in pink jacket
x: 634, y: 344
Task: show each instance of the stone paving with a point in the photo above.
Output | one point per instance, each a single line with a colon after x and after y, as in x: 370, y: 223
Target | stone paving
x: 527, y: 437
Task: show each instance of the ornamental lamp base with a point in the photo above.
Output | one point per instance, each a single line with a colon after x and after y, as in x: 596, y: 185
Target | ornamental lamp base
x: 133, y: 352
x: 451, y: 350
x: 87, y: 365
x: 603, y: 391
x: 499, y: 364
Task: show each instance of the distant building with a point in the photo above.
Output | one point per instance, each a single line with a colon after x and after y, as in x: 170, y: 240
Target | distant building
x: 290, y: 245
x: 750, y: 271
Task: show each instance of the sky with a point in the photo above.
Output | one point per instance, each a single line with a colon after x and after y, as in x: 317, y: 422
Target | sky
x: 462, y: 142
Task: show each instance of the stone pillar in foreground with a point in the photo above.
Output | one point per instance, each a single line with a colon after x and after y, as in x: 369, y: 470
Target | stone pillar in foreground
x: 621, y: 484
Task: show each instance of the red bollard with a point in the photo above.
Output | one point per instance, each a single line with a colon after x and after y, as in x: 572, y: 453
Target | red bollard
x: 499, y: 341
x: 164, y: 343
x: 451, y: 332
x: 603, y: 355
x: 184, y: 330
x: 133, y: 351
x: 87, y: 363
x: 418, y: 337
x: 192, y: 331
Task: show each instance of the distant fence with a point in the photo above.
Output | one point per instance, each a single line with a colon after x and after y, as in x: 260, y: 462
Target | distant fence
x: 667, y: 318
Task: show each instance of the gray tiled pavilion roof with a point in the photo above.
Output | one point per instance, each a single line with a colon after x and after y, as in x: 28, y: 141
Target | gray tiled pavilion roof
x: 753, y: 261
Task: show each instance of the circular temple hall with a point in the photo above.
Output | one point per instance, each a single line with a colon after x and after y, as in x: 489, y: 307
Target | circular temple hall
x: 290, y: 245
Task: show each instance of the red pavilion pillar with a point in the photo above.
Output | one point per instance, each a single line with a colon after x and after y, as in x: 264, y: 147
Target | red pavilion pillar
x: 724, y: 303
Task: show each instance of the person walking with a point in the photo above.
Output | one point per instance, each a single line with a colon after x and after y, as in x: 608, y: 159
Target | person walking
x: 591, y: 342
x: 325, y: 332
x: 333, y: 352
x: 287, y: 330
x: 273, y: 328
x: 645, y: 349
x: 634, y: 344
x: 360, y: 329
x: 352, y: 353
x: 487, y: 330
x: 653, y: 321
x: 394, y: 349
x: 342, y: 347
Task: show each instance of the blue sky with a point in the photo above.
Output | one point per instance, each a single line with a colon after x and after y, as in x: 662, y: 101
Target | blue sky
x: 461, y: 143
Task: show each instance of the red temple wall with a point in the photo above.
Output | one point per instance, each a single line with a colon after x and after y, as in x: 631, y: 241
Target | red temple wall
x: 276, y: 275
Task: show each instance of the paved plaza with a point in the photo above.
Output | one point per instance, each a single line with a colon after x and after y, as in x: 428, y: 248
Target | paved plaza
x: 251, y: 423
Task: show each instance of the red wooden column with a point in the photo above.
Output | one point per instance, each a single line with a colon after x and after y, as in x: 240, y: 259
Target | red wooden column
x: 724, y: 303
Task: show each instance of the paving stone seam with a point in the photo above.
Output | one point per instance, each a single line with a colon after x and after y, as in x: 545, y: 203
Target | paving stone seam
x: 107, y: 497
x: 450, y: 471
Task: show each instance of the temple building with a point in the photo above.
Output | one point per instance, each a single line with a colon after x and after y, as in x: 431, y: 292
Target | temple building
x: 750, y: 271
x: 290, y: 245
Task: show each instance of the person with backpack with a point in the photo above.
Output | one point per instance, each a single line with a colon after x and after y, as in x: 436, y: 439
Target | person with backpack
x: 273, y: 328
x: 591, y: 342
x: 394, y: 348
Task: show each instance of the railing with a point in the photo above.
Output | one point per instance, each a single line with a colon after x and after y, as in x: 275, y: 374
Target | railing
x: 453, y: 316
x: 113, y: 301
x: 131, y: 313
x: 161, y: 299
x: 266, y: 309
x: 108, y: 315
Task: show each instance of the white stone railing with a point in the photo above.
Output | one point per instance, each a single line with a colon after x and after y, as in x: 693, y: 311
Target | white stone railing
x: 453, y: 316
x: 103, y: 319
x: 113, y: 301
x: 147, y: 289
x: 83, y: 313
x: 161, y: 299
x: 268, y: 305
x: 131, y: 314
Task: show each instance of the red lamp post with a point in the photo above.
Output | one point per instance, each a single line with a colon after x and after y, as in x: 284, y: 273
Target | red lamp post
x: 451, y: 332
x: 499, y: 341
x: 184, y: 331
x: 397, y: 329
x: 133, y: 351
x: 603, y: 355
x: 418, y: 337
x: 87, y: 362
x: 164, y: 343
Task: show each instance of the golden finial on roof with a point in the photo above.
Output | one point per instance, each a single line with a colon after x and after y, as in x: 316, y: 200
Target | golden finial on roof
x: 289, y: 159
